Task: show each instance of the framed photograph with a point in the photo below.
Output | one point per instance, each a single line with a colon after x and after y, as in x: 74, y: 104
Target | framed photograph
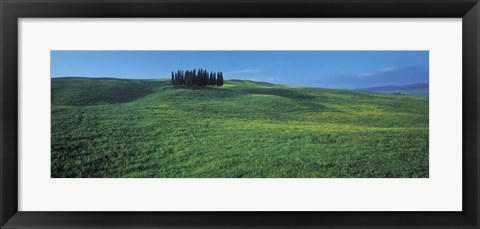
x: 252, y: 114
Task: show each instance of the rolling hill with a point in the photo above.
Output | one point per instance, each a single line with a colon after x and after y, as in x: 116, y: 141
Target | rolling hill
x: 146, y: 128
x: 420, y: 90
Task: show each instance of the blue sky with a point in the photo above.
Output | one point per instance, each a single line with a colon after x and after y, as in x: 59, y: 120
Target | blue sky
x: 328, y: 69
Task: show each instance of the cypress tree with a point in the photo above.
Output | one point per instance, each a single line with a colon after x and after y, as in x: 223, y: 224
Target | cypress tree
x: 220, y: 79
x: 178, y: 77
x: 204, y: 78
x: 182, y: 78
x: 194, y: 77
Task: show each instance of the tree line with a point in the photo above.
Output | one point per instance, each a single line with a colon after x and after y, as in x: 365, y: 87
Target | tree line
x: 197, y: 78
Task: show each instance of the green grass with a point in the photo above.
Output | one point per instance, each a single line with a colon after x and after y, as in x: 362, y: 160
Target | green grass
x: 146, y: 128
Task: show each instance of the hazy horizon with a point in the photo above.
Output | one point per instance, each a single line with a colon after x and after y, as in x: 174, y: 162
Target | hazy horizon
x: 324, y: 69
x: 165, y: 78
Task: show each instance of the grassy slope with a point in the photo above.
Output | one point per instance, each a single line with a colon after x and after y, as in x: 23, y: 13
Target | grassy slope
x: 244, y: 129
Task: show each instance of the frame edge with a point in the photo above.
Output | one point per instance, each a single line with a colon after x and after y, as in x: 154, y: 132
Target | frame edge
x: 9, y: 113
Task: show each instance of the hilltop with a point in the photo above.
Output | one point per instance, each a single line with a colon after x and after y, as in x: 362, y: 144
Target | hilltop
x: 147, y: 128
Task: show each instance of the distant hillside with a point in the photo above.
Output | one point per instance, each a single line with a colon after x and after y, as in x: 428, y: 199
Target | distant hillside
x: 420, y: 90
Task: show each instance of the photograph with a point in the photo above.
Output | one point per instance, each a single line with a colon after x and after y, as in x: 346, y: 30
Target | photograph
x: 239, y: 113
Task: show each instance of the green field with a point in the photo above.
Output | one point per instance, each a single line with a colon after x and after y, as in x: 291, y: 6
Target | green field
x: 147, y: 128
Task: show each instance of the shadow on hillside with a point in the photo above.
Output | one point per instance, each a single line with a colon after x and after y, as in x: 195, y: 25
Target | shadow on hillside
x: 195, y: 88
x: 82, y: 91
x: 289, y: 94
x: 280, y: 92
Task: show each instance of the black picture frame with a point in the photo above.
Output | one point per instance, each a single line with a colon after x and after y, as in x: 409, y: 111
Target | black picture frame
x: 12, y: 10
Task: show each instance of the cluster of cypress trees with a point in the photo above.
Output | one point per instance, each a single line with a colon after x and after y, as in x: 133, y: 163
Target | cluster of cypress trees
x: 197, y: 78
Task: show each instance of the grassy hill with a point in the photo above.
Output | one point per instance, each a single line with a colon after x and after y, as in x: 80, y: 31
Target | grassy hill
x: 147, y: 128
x: 79, y: 91
x: 420, y: 90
